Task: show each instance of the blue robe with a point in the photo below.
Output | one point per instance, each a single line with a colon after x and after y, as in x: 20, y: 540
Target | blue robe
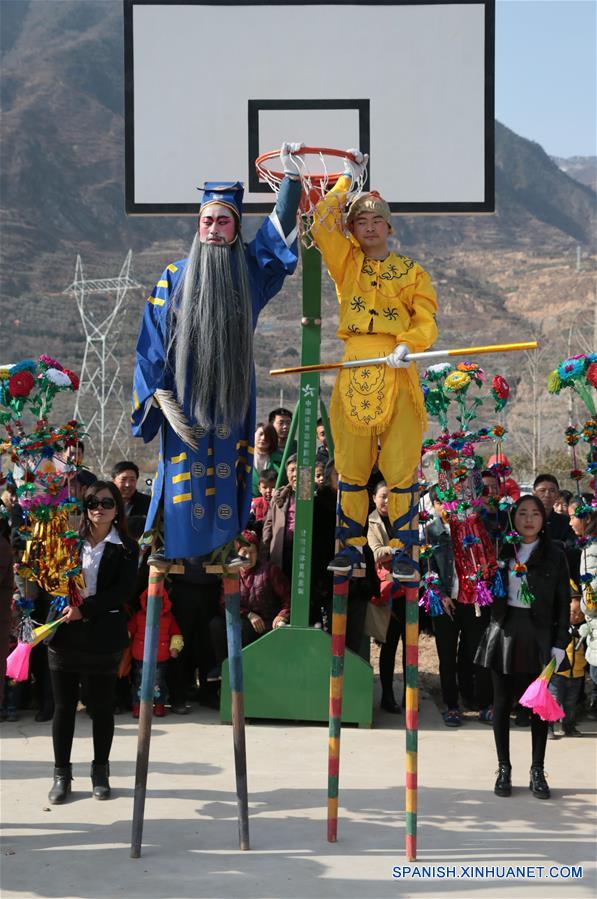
x: 206, y: 493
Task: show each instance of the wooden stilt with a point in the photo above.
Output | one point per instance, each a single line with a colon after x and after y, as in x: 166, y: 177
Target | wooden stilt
x: 412, y: 711
x: 155, y: 594
x: 233, y: 633
x: 340, y: 600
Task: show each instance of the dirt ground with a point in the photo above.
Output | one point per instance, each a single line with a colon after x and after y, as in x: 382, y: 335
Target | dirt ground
x: 428, y: 664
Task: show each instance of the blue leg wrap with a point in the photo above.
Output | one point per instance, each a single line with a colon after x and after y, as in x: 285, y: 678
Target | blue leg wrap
x: 402, y: 529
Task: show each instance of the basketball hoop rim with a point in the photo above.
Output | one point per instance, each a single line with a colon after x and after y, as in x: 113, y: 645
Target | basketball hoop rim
x: 329, y: 178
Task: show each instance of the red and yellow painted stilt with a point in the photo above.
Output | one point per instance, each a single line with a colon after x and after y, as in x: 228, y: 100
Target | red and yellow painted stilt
x: 340, y: 601
x: 412, y: 712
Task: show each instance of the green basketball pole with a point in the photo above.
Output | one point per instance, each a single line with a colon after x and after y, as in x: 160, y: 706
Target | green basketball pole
x: 307, y: 418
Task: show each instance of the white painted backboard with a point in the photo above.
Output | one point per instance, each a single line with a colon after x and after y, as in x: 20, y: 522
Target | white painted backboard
x: 211, y: 86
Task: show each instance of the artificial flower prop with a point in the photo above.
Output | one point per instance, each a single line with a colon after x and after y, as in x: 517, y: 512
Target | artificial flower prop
x: 457, y: 381
x: 579, y: 374
x: 431, y: 600
x: 459, y: 468
x: 539, y: 700
x: 40, y: 454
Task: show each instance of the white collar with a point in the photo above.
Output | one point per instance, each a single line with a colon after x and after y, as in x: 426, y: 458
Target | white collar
x: 112, y: 537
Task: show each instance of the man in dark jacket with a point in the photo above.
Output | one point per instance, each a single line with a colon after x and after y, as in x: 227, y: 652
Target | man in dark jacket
x: 125, y: 475
x: 547, y: 489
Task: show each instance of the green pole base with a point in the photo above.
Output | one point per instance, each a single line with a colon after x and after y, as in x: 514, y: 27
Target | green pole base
x: 287, y: 676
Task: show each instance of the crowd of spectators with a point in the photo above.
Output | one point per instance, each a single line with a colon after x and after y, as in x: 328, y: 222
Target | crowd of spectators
x: 192, y: 643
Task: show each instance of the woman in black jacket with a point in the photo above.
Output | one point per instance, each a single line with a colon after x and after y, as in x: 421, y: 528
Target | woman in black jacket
x: 521, y: 637
x: 90, y: 642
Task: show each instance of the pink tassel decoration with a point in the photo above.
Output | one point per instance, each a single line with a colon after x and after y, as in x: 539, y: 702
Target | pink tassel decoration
x: 539, y: 700
x: 17, y: 663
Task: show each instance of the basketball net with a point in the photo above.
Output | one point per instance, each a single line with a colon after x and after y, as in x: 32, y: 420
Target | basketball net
x: 317, y: 170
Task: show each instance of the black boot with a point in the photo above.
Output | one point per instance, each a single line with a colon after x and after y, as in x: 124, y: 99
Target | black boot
x: 389, y: 704
x: 62, y: 785
x: 538, y: 784
x: 503, y: 784
x: 99, y: 780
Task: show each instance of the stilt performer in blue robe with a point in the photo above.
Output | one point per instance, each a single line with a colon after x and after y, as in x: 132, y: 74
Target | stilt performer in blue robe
x: 194, y: 380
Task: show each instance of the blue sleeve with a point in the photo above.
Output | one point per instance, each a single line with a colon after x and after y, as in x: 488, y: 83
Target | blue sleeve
x: 150, y: 363
x: 270, y: 257
x: 287, y: 204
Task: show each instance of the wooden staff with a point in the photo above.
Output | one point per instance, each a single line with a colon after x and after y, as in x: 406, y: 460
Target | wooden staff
x: 340, y: 601
x: 158, y: 568
x: 231, y: 581
x: 411, y: 357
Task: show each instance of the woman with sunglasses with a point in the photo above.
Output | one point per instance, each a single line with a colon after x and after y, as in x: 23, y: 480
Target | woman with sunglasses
x: 90, y: 642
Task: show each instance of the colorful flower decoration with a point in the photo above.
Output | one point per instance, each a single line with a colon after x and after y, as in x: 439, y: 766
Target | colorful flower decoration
x: 50, y: 528
x: 500, y: 390
x: 21, y: 384
x: 457, y: 381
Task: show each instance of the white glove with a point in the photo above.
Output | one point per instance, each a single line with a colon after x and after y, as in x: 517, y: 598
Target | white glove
x: 355, y: 169
x: 558, y: 655
x: 397, y: 359
x: 289, y: 165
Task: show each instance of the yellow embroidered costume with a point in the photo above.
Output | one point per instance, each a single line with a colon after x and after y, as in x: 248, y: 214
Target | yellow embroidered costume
x: 383, y: 303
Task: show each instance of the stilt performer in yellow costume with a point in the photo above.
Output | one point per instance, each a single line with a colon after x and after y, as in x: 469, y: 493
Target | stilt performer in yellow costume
x: 387, y: 307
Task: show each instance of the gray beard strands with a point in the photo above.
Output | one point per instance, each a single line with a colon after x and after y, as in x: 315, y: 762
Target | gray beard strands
x: 214, y: 329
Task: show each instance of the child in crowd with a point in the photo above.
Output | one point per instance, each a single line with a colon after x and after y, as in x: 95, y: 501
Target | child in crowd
x: 565, y: 685
x: 319, y: 474
x: 170, y: 644
x: 266, y: 485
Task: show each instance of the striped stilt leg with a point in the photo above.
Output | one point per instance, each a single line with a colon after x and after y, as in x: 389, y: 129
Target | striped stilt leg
x: 412, y: 711
x: 155, y: 594
x: 341, y: 585
x: 235, y: 666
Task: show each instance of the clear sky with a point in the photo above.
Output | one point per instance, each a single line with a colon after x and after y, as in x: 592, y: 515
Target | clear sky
x: 546, y: 73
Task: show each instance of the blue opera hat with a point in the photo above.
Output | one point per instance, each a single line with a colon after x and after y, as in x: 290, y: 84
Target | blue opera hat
x: 226, y: 193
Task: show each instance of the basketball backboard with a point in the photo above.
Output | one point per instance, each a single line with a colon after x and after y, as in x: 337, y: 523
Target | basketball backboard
x: 209, y: 87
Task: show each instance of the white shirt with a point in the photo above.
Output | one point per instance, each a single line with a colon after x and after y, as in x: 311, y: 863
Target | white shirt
x: 91, y: 556
x: 524, y: 552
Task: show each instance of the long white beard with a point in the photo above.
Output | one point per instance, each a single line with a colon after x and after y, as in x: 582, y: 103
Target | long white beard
x: 213, y: 335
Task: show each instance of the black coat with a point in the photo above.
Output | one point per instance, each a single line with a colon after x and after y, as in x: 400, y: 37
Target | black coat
x: 103, y: 628
x: 442, y: 559
x: 549, y: 580
x: 559, y: 528
x: 140, y: 503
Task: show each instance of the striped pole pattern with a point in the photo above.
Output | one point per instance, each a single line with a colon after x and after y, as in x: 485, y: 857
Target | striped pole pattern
x: 341, y: 585
x: 235, y: 667
x: 155, y: 594
x: 412, y: 713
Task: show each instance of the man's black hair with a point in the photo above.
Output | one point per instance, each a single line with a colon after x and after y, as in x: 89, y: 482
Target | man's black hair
x: 124, y: 466
x: 545, y: 477
x: 279, y: 411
